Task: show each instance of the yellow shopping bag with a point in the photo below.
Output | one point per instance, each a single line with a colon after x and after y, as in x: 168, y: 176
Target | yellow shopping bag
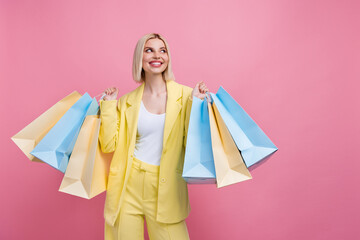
x: 32, y: 134
x: 229, y: 165
x: 87, y: 172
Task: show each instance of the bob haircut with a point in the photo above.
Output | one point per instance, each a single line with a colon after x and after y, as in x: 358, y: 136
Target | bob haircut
x: 137, y: 69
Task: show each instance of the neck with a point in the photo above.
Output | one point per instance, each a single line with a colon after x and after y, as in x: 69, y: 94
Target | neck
x: 155, y: 84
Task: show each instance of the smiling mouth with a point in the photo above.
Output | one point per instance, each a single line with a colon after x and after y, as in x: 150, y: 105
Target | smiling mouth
x: 155, y: 64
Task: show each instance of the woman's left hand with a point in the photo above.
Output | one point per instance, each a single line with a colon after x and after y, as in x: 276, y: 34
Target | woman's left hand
x: 199, y: 90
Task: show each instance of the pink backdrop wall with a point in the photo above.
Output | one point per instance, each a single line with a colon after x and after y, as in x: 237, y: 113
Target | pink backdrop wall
x: 293, y: 66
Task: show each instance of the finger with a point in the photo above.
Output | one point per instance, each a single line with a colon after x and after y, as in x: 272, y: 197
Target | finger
x: 206, y: 88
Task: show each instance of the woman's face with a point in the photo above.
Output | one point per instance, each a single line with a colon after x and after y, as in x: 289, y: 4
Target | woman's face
x: 155, y: 57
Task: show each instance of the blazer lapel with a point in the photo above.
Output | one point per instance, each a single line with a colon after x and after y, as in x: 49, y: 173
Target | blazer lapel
x: 173, y: 107
x: 132, y: 114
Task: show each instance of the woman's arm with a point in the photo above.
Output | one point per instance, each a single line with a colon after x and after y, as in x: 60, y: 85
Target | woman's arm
x: 187, y: 117
x: 110, y: 124
x: 110, y: 120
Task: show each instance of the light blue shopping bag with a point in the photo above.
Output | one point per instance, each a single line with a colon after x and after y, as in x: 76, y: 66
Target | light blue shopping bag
x: 252, y: 142
x: 55, y: 148
x: 199, y: 161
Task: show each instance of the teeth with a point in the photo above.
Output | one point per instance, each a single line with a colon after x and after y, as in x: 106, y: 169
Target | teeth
x: 155, y: 63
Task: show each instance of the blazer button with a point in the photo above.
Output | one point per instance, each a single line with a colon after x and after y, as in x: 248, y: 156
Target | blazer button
x: 162, y: 180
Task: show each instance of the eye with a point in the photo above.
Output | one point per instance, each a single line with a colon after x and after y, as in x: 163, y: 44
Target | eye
x: 149, y: 49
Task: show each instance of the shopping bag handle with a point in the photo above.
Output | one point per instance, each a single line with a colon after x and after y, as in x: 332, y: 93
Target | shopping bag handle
x: 102, y: 96
x: 208, y: 97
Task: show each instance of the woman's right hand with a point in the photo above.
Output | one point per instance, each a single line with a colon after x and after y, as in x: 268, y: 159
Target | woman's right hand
x: 111, y: 93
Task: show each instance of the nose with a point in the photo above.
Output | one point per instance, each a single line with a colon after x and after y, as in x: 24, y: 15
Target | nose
x: 156, y: 55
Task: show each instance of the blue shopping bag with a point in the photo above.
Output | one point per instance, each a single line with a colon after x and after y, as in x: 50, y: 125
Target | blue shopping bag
x: 199, y: 161
x: 55, y: 148
x: 252, y: 142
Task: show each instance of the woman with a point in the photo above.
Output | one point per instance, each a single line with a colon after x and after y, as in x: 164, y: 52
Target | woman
x: 147, y: 130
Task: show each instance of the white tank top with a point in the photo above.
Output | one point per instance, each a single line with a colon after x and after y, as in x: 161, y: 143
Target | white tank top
x: 149, y: 136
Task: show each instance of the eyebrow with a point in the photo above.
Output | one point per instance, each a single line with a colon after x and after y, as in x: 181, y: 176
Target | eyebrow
x: 152, y: 48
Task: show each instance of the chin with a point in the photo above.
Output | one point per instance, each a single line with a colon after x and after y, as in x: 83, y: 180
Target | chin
x: 158, y: 71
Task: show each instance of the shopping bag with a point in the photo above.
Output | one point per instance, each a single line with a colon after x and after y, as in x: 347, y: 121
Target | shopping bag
x: 88, y: 168
x: 56, y: 147
x: 199, y: 162
x: 229, y: 165
x: 252, y: 142
x: 32, y: 134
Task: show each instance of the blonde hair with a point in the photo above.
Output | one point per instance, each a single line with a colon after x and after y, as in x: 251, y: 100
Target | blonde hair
x: 137, y: 70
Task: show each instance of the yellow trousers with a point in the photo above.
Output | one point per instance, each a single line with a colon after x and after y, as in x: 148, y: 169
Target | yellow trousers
x: 140, y: 200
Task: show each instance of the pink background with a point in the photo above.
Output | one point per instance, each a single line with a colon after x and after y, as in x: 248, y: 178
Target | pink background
x: 292, y: 65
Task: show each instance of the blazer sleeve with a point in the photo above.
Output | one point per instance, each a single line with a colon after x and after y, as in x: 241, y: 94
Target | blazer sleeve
x: 187, y: 117
x: 110, y: 125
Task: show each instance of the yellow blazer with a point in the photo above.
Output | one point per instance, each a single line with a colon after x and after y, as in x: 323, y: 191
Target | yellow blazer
x: 118, y: 133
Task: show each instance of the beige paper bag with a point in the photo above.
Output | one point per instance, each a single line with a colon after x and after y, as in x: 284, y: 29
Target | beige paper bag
x: 32, y: 134
x: 229, y: 165
x: 87, y: 172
